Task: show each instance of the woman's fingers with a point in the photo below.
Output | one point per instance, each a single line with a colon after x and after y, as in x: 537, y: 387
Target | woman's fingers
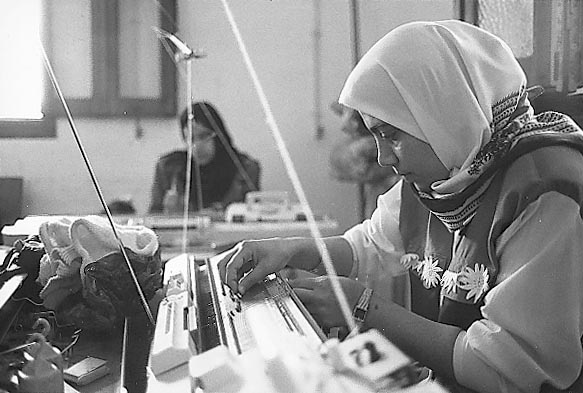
x: 304, y: 282
x: 307, y: 297
x: 257, y: 273
x: 222, y: 264
x: 249, y: 263
x: 231, y: 267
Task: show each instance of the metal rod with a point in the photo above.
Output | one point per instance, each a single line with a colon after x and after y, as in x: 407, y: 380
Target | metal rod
x: 123, y: 360
x: 94, y: 179
x: 292, y: 173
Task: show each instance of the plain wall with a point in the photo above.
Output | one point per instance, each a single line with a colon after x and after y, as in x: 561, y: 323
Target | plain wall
x: 279, y: 36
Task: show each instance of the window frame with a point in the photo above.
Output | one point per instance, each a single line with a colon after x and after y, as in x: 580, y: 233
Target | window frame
x: 33, y: 128
x: 106, y: 101
x: 536, y: 65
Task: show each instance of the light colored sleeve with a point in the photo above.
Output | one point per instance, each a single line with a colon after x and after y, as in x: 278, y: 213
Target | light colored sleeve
x: 377, y: 247
x: 533, y: 318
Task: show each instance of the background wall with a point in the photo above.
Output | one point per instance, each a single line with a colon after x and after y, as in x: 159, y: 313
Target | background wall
x: 279, y: 36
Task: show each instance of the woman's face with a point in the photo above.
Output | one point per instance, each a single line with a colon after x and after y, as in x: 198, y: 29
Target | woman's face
x: 349, y: 124
x: 203, y: 143
x: 410, y: 157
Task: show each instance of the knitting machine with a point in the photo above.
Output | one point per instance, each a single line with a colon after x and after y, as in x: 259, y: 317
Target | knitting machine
x: 208, y: 338
x: 200, y: 313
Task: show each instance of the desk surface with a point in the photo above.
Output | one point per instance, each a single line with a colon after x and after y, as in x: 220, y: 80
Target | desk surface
x: 138, y: 338
x: 106, y: 348
x: 200, y: 231
x: 203, y: 241
x: 203, y: 237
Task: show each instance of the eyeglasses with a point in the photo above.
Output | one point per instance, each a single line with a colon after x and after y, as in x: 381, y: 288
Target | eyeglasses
x: 206, y: 137
x: 200, y: 134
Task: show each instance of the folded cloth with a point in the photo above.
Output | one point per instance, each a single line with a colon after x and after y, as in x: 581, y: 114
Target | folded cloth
x: 58, y: 288
x: 47, y: 269
x: 59, y: 267
x: 109, y: 293
x: 71, y: 244
x: 75, y: 310
x: 93, y: 238
x: 108, y: 283
x: 57, y: 241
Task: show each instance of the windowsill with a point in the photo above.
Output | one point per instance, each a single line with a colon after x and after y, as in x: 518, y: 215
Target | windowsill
x: 45, y: 128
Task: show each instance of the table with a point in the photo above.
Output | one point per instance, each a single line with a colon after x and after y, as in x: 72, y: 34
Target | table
x: 204, y: 236
x: 136, y: 338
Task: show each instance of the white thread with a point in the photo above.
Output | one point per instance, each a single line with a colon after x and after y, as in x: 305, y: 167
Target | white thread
x: 340, y: 296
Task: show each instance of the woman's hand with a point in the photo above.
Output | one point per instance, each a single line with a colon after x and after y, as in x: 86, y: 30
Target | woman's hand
x: 251, y: 261
x: 318, y: 297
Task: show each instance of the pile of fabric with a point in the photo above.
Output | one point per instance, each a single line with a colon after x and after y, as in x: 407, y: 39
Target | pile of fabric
x: 82, y: 273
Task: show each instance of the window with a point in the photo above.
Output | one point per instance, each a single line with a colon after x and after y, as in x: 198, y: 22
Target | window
x: 106, y: 57
x: 128, y: 73
x: 550, y: 53
x: 20, y: 75
x: 547, y: 39
x: 23, y: 103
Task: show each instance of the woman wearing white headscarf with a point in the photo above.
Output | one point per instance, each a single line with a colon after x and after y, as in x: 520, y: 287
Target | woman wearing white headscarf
x: 489, y: 216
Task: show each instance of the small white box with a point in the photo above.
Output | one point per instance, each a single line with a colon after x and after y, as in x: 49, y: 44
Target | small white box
x: 86, y: 371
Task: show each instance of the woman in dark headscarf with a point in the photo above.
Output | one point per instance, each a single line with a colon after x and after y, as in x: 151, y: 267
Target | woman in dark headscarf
x: 226, y: 174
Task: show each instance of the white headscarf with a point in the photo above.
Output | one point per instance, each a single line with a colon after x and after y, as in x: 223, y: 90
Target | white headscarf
x: 437, y: 81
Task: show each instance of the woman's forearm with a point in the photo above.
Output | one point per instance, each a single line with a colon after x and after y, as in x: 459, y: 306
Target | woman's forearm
x: 306, y: 254
x: 428, y: 342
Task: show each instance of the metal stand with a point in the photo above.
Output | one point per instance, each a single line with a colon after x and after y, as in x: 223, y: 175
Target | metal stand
x: 185, y: 54
x: 189, y: 155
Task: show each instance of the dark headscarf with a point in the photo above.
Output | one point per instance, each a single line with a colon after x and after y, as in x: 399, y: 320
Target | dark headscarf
x: 216, y: 176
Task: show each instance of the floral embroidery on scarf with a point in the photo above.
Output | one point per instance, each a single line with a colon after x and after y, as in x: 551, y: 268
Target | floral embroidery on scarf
x: 475, y: 281
x: 428, y: 269
x: 449, y: 281
x: 430, y: 272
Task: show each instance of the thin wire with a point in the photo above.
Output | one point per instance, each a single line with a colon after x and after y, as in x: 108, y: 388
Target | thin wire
x: 340, y: 296
x: 123, y: 362
x: 94, y: 179
x: 189, y: 155
x: 17, y: 348
x: 189, y: 149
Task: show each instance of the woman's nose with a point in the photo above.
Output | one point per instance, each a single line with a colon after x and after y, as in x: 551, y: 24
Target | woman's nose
x: 386, y: 156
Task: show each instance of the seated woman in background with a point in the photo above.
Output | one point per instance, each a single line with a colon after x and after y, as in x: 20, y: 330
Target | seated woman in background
x: 226, y: 174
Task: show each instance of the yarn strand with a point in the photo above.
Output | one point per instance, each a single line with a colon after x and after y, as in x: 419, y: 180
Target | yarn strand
x: 289, y: 166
